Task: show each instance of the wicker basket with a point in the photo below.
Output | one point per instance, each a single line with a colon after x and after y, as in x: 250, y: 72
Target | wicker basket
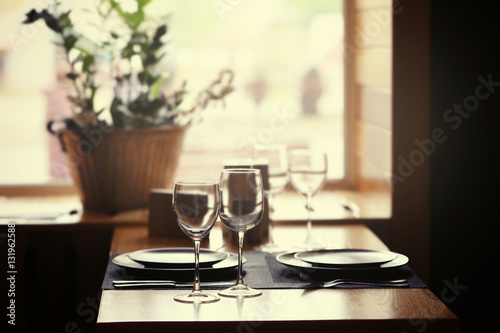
x: 116, y: 171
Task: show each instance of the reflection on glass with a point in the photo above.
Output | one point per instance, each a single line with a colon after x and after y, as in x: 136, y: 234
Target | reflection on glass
x: 196, y: 207
x: 241, y: 208
x: 308, y: 175
x: 275, y: 157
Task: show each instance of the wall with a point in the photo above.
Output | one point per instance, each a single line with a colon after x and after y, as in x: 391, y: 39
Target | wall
x: 411, y: 111
x: 60, y: 269
x: 391, y: 99
x: 372, y: 41
x: 464, y: 168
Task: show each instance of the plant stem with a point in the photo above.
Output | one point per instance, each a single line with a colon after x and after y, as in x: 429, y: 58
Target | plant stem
x: 66, y: 51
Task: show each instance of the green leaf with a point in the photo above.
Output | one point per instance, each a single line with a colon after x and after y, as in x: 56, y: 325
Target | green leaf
x: 143, y: 77
x: 134, y: 19
x: 150, y: 79
x: 70, y: 41
x: 155, y: 87
x: 157, y: 43
x: 149, y: 60
x: 160, y: 31
x: 142, y: 3
x: 140, y: 38
x: 116, y: 6
x: 64, y: 20
x: 51, y: 21
x: 81, y: 49
x: 32, y: 16
x: 88, y: 61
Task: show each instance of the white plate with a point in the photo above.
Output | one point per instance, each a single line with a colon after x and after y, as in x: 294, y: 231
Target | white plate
x: 345, y: 257
x: 176, y: 257
x: 123, y: 260
x: 289, y: 259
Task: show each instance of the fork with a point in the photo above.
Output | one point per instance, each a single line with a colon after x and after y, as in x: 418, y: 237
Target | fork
x: 336, y: 282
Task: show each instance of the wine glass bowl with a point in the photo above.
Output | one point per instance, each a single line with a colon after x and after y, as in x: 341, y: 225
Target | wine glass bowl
x: 196, y: 207
x: 308, y: 182
x: 241, y: 208
x: 308, y: 171
x: 275, y: 156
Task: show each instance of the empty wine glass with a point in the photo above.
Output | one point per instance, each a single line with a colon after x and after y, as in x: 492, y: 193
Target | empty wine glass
x: 196, y: 207
x: 241, y: 208
x: 308, y: 175
x: 275, y: 156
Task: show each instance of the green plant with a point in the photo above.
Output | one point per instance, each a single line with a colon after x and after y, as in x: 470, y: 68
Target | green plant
x: 134, y: 50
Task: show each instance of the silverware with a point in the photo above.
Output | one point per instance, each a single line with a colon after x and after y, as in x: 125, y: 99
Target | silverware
x: 350, y: 207
x: 165, y: 283
x: 336, y: 282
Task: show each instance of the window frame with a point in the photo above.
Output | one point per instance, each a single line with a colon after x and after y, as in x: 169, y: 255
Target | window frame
x: 407, y: 229
x: 347, y: 183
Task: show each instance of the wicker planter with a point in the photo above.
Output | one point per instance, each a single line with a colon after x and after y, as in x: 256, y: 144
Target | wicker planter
x: 115, y: 171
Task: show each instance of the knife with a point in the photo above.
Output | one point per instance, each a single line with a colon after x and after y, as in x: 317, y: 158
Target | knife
x: 165, y: 283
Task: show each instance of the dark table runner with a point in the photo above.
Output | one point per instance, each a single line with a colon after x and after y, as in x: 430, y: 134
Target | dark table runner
x: 262, y: 271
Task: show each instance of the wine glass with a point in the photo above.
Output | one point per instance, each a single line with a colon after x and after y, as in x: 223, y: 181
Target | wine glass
x: 308, y: 175
x: 196, y: 207
x: 241, y: 208
x: 275, y: 156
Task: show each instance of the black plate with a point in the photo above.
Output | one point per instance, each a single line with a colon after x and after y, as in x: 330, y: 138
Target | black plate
x: 124, y: 261
x: 289, y: 259
x: 182, y: 257
x: 345, y: 258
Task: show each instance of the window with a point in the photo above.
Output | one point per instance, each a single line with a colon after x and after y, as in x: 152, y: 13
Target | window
x: 289, y: 77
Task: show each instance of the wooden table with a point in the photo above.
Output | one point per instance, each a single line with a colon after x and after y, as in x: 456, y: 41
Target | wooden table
x: 292, y: 310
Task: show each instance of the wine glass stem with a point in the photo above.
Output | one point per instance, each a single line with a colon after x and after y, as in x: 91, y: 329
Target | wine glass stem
x: 309, y: 222
x: 196, y: 286
x: 241, y: 236
x: 270, y: 201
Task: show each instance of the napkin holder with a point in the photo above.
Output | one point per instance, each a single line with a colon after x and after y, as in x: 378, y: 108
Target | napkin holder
x: 162, y: 221
x: 257, y: 234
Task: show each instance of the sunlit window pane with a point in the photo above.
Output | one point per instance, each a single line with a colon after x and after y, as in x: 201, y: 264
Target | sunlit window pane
x: 288, y: 65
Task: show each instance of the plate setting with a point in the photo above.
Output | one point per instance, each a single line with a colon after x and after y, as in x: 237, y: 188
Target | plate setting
x: 346, y: 258
x: 372, y: 262
x: 124, y: 261
x: 176, y: 257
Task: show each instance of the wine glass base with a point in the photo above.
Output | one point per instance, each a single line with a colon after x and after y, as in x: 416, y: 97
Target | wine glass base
x: 240, y: 290
x: 270, y: 248
x: 309, y: 245
x: 196, y: 297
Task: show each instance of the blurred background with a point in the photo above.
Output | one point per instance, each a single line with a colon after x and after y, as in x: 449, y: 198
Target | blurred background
x: 289, y: 80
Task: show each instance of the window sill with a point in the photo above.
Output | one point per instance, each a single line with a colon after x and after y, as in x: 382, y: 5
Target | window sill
x: 334, y: 206
x: 330, y: 207
x: 38, y: 190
